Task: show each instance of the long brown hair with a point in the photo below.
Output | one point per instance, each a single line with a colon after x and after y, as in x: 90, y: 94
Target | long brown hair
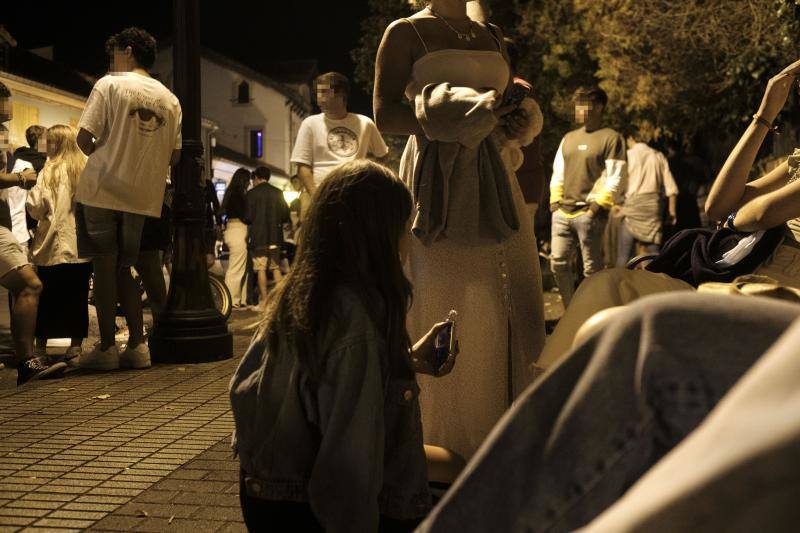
x: 351, y: 237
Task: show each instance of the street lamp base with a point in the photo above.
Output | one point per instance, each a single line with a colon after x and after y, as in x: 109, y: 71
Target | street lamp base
x: 190, y: 337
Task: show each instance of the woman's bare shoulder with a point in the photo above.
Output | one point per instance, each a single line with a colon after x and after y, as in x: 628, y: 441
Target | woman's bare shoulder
x: 401, y: 33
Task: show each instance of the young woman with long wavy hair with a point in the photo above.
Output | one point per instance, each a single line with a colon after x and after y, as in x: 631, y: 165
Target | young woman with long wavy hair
x: 63, y: 306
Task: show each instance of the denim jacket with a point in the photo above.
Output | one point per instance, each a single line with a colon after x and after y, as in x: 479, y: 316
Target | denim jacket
x: 352, y: 446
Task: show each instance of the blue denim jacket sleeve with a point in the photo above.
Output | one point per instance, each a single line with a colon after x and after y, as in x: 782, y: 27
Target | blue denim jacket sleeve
x: 347, y: 474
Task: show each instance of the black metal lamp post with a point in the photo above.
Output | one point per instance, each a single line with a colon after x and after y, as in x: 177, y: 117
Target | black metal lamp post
x: 190, y: 330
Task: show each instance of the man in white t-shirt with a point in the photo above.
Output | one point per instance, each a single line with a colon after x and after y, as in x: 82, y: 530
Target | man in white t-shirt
x: 131, y: 131
x: 334, y: 136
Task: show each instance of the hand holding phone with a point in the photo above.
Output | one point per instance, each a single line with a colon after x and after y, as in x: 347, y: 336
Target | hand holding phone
x: 517, y: 93
x: 435, y: 353
x: 445, y: 347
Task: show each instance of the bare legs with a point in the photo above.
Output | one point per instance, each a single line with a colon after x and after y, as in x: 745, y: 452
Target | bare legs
x: 149, y: 268
x: 25, y: 286
x: 263, y: 284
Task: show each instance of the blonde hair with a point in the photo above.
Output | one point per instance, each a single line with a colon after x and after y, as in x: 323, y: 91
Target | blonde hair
x: 65, y: 161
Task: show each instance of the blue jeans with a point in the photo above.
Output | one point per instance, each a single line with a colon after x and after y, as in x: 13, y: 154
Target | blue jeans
x: 568, y: 234
x: 580, y: 437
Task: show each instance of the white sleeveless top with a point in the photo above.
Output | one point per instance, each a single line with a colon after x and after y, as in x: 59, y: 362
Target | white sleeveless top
x: 478, y: 69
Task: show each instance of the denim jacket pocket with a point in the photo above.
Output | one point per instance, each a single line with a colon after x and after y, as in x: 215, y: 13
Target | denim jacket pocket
x: 405, y: 490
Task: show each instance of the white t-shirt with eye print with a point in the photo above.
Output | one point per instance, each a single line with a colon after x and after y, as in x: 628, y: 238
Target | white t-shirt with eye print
x: 324, y: 143
x: 136, y: 122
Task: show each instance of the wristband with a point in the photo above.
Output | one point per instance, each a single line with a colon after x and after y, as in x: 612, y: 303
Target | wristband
x: 764, y: 122
x: 730, y: 220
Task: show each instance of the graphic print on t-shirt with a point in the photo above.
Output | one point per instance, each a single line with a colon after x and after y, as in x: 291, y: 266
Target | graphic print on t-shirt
x: 148, y: 121
x: 343, y: 142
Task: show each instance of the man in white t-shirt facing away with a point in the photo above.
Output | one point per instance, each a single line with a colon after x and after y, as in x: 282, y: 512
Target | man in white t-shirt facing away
x: 334, y: 136
x: 131, y: 131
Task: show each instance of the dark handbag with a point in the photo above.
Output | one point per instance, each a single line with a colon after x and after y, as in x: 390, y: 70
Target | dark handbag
x: 691, y: 255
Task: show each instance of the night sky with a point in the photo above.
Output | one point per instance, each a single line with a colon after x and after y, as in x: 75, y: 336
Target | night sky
x: 248, y: 31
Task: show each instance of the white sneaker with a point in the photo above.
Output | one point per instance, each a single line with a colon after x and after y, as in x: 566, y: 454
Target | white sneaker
x: 98, y: 359
x: 137, y: 358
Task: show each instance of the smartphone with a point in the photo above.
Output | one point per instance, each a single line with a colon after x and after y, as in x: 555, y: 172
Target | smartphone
x: 517, y: 93
x: 445, y: 343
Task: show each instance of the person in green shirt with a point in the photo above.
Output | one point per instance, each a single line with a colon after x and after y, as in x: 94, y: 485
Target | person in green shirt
x: 589, y: 174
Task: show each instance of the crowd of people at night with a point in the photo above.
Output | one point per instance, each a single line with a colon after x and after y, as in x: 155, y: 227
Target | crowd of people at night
x: 402, y: 376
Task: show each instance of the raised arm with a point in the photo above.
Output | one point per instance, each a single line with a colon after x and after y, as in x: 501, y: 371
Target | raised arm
x: 731, y: 190
x: 392, y: 73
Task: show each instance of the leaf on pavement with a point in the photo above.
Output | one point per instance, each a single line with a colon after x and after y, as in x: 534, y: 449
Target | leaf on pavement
x: 143, y: 513
x: 65, y: 389
x: 101, y: 397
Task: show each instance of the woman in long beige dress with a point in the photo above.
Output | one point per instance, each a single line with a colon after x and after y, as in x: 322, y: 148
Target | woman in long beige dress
x: 495, y: 288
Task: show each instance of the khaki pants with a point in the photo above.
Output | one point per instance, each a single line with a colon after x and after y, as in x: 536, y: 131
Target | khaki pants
x: 236, y: 276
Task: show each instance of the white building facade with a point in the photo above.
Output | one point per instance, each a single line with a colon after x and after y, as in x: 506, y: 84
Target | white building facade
x: 248, y: 118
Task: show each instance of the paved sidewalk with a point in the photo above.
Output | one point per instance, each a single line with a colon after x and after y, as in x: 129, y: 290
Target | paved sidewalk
x: 202, y: 495
x: 122, y: 451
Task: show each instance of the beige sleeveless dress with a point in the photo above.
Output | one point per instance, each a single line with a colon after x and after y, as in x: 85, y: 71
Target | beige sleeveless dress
x: 496, y: 290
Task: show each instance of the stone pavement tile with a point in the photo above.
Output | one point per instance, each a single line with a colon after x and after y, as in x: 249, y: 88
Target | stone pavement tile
x: 132, y: 485
x: 158, y: 510
x: 86, y: 476
x: 94, y: 498
x: 69, y: 482
x: 59, y: 489
x: 16, y: 511
x: 139, y: 470
x: 157, y: 496
x: 190, y: 473
x: 227, y: 514
x: 215, y: 465
x: 63, y: 523
x: 45, y: 494
x: 78, y: 515
x: 94, y: 507
x: 50, y: 530
x: 100, y: 491
x: 199, y: 498
x: 133, y: 477
x: 183, y: 525
x: 16, y: 520
x: 19, y: 487
x: 234, y: 527
x: 156, y: 525
x: 34, y: 504
x: 187, y: 485
x: 117, y: 523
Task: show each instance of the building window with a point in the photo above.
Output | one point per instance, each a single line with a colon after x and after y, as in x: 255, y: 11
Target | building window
x: 257, y: 144
x: 243, y: 93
